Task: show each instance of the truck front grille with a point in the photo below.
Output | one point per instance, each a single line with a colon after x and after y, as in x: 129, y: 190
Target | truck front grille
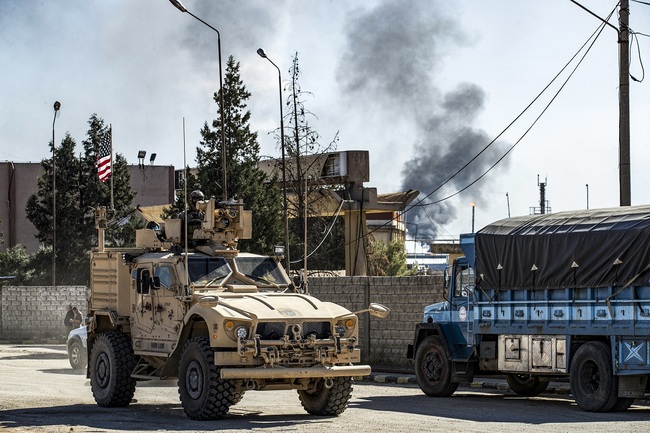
x: 277, y: 330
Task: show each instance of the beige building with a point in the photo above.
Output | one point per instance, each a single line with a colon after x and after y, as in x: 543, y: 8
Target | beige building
x: 153, y: 185
x: 363, y: 209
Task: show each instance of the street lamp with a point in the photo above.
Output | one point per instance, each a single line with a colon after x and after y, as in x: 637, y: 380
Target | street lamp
x: 57, y: 106
x: 262, y: 54
x: 178, y: 5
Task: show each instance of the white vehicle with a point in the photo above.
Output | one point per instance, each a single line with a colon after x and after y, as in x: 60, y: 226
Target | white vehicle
x: 77, y: 351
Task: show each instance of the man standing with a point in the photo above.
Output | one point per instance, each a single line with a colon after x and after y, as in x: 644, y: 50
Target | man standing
x: 69, y: 316
x: 76, y: 319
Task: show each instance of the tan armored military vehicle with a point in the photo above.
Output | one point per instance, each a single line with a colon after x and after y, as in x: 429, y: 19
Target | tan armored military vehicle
x: 221, y: 321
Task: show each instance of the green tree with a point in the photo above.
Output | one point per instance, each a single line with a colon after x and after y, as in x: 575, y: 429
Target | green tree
x: 15, y: 263
x: 94, y: 193
x: 387, y: 260
x: 245, y: 180
x: 78, y: 192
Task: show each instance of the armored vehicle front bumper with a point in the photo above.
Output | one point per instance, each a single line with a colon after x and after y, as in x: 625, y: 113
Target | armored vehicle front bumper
x: 277, y: 372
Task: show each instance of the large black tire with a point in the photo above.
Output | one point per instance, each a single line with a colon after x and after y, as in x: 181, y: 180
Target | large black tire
x: 110, y: 366
x: 526, y: 385
x: 77, y: 355
x: 204, y: 395
x: 433, y: 368
x: 623, y: 403
x: 593, y: 383
x: 324, y: 401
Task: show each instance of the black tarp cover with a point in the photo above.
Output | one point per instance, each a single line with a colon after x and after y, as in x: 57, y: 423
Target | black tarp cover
x: 588, y: 248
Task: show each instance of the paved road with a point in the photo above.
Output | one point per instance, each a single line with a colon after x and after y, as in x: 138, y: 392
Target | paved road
x: 40, y: 392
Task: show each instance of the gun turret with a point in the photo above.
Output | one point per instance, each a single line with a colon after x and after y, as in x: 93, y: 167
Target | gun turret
x: 211, y: 226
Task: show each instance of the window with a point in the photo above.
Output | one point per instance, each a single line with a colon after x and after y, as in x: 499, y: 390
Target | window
x: 262, y: 270
x: 332, y: 166
x: 208, y: 271
x: 464, y: 282
x: 167, y: 276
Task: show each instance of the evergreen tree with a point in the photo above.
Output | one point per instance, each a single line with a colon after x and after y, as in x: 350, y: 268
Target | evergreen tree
x: 245, y: 181
x: 78, y: 192
x: 94, y: 193
x: 15, y: 263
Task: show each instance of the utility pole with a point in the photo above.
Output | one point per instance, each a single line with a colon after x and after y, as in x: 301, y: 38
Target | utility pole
x: 623, y: 33
x: 624, y: 104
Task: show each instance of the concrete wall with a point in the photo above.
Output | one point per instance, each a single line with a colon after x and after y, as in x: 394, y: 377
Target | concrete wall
x: 405, y: 296
x: 38, y: 311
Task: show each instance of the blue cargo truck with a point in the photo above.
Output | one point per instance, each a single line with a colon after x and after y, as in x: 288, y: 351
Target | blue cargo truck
x: 537, y: 298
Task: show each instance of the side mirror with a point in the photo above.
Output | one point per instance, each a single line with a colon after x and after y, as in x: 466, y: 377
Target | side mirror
x: 155, y: 284
x: 376, y: 310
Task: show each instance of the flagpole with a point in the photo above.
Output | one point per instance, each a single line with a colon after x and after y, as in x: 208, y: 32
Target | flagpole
x: 110, y: 132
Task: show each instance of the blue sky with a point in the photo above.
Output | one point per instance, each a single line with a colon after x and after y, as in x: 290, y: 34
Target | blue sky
x: 403, y: 79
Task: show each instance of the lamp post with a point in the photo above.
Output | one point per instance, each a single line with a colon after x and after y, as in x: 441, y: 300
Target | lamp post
x: 473, y: 205
x: 178, y: 5
x: 262, y: 54
x: 57, y: 106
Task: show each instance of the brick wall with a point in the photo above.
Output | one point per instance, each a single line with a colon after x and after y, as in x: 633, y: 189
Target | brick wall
x: 37, y: 311
x: 28, y: 312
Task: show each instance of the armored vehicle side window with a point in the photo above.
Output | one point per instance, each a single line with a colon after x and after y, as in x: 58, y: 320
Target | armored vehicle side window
x: 261, y: 269
x: 143, y: 281
x: 167, y: 276
x: 208, y: 271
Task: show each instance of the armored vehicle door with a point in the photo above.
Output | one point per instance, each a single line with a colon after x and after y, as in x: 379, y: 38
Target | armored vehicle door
x: 142, y: 313
x: 158, y: 308
x: 167, y: 301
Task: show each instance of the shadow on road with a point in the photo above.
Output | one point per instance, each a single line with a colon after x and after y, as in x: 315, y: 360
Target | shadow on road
x: 148, y: 417
x: 497, y: 407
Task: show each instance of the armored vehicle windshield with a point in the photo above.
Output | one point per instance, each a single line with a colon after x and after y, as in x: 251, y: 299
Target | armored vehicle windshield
x: 208, y: 271
x: 262, y: 270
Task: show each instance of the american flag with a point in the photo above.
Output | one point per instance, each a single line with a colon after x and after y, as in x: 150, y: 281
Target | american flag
x: 104, y: 158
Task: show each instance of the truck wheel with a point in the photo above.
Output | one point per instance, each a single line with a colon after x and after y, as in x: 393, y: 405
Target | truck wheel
x: 110, y: 366
x: 77, y: 355
x: 526, y: 385
x: 592, y: 382
x: 433, y: 368
x: 327, y: 401
x: 623, y: 403
x: 204, y: 395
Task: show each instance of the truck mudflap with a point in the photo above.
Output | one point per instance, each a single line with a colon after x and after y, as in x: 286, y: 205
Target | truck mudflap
x: 277, y: 372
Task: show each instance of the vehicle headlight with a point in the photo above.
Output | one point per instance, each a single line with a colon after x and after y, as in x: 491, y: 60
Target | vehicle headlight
x: 346, y: 327
x: 241, y: 332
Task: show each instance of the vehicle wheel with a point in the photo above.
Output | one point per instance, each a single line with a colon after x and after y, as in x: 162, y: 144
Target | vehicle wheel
x: 327, y: 401
x: 236, y: 397
x: 433, y: 368
x: 623, y: 403
x: 110, y: 366
x: 592, y: 383
x: 526, y: 385
x: 204, y: 395
x: 77, y: 355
